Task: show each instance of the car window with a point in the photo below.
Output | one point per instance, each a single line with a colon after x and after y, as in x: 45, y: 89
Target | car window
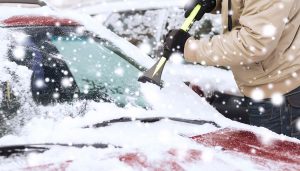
x: 98, y: 69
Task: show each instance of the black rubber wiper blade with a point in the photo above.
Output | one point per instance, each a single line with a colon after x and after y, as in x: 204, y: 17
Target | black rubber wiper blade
x: 195, y: 122
x: 151, y: 120
x: 23, y: 149
x: 7, y: 151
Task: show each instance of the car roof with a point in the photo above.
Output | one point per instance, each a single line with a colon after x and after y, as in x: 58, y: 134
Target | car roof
x: 19, y: 21
x: 43, y: 16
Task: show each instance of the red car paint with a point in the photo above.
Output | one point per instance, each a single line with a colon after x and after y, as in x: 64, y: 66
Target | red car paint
x: 16, y: 21
x: 284, y: 155
x: 50, y: 167
x: 247, y: 143
x: 140, y: 162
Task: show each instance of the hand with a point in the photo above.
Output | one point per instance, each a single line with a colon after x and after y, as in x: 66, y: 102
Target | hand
x: 206, y: 5
x: 175, y: 40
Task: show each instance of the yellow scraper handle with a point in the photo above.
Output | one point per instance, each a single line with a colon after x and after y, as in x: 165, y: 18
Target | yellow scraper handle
x: 190, y: 20
x: 185, y: 27
x: 153, y: 75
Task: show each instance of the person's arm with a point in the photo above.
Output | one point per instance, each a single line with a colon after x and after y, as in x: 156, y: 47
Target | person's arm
x: 262, y: 25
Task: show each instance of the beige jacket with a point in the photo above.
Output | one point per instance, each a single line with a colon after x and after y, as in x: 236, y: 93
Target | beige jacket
x: 263, y: 49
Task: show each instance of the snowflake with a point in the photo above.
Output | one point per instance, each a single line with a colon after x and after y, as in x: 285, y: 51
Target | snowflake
x: 119, y: 72
x: 39, y: 83
x: 257, y: 94
x: 55, y: 95
x: 47, y: 80
x: 19, y: 53
x: 298, y: 124
x: 277, y: 99
x: 66, y: 82
x: 253, y: 151
x: 75, y: 96
x: 269, y: 30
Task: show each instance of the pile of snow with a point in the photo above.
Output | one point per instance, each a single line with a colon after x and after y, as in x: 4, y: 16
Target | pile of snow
x: 63, y: 122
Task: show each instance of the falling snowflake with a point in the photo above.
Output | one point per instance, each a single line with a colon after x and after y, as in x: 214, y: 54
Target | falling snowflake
x: 298, y: 124
x: 39, y: 83
x: 66, y: 82
x: 269, y: 30
x: 257, y: 94
x: 277, y: 99
x: 55, y: 95
x: 119, y: 72
x: 19, y: 53
x: 47, y: 80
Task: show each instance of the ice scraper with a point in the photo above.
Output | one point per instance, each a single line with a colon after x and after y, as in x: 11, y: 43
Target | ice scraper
x: 153, y: 75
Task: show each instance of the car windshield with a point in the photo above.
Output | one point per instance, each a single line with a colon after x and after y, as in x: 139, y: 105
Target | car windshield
x: 98, y: 67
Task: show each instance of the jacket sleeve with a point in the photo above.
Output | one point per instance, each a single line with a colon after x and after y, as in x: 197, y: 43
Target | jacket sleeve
x: 262, y: 24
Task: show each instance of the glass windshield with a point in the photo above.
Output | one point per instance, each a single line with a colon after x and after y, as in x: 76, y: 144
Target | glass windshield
x: 98, y: 69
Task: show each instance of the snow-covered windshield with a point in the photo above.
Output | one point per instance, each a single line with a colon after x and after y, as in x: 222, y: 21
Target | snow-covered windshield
x: 97, y: 66
x: 86, y: 66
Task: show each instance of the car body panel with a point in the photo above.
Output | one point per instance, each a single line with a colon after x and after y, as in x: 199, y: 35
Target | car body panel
x: 281, y: 155
x: 16, y: 21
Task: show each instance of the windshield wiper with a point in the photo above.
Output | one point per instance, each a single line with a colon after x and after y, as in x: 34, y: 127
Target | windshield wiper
x: 7, y: 151
x: 151, y: 120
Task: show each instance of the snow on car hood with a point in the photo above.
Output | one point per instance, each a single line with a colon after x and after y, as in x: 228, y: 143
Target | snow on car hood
x: 64, y: 122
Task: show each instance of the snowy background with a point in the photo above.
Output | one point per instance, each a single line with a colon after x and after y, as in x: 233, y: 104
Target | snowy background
x: 141, y: 22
